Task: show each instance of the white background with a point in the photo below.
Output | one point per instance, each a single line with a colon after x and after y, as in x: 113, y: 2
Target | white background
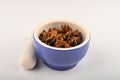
x: 102, y: 17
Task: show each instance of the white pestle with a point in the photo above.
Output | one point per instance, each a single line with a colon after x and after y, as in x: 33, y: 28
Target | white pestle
x: 28, y: 59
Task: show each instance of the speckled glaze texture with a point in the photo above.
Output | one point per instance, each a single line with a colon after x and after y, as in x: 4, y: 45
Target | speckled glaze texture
x: 60, y: 59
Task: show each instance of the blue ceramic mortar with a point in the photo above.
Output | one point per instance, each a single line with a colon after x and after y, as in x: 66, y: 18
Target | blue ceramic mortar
x: 61, y: 58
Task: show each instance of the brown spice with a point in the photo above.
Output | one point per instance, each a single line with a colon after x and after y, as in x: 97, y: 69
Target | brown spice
x: 61, y: 38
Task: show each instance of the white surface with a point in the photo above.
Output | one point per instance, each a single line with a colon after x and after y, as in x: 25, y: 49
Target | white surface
x: 101, y: 17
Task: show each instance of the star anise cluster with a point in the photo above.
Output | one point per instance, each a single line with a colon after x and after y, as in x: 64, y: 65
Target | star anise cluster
x: 61, y: 38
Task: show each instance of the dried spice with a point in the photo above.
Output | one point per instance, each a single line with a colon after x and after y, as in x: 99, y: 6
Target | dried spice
x: 61, y: 38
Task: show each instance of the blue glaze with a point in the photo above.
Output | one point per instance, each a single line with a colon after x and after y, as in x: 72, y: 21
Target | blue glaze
x: 60, y: 59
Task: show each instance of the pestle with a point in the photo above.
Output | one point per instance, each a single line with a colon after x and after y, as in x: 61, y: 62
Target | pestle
x: 28, y: 59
